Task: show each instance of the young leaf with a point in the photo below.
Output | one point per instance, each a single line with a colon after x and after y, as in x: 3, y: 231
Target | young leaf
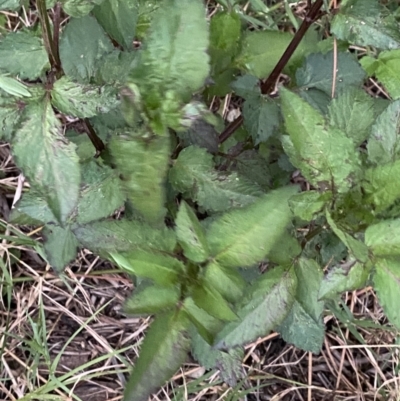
x: 345, y: 112
x: 124, y: 235
x: 325, y: 154
x: 243, y: 237
x: 209, y: 299
x: 47, y: 159
x: 193, y: 174
x: 13, y: 87
x: 100, y: 194
x: 380, y: 185
x: 383, y: 238
x: 303, y: 326
x: 358, y: 249
x: 262, y: 309
x: 261, y: 117
x: 349, y: 276
x: 60, y: 245
x: 143, y: 163
x: 384, y: 143
x: 313, y: 73
x: 365, y: 23
x: 306, y: 205
x: 191, y: 234
x: 228, y: 363
x: 22, y: 53
x: 118, y: 18
x: 79, y: 8
x: 83, y: 42
x: 151, y: 299
x: 228, y: 282
x: 163, y: 350
x: 83, y: 101
x: 174, y: 57
x: 387, y: 285
x: 262, y: 50
x: 162, y: 269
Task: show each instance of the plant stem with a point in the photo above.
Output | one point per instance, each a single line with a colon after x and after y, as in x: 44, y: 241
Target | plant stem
x: 97, y: 142
x: 266, y: 87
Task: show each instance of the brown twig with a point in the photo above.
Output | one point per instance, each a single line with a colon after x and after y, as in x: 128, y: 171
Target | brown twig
x: 266, y: 87
x: 96, y: 141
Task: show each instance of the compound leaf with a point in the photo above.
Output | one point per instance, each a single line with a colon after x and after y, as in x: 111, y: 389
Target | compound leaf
x: 365, y: 23
x: 261, y: 117
x: 83, y: 43
x: 48, y: 160
x: 22, y: 53
x: 124, y: 235
x: 143, y: 164
x: 163, y: 351
x: 193, y: 174
x: 265, y: 306
x: 160, y: 268
x: 118, y: 18
x: 384, y: 143
x: 191, y: 234
x: 324, y: 154
x: 383, y: 238
x: 313, y: 74
x: 345, y: 112
x: 151, y: 299
x: 387, y: 285
x: 244, y: 236
x: 60, y: 245
x: 83, y: 101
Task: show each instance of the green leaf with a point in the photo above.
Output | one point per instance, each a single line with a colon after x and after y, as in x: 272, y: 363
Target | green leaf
x: 387, y: 285
x: 228, y: 363
x: 114, y: 67
x: 261, y: 117
x: 385, y: 70
x: 60, y: 245
x: 209, y: 299
x: 174, y: 54
x: 83, y: 101
x: 152, y: 299
x: 384, y: 143
x: 264, y: 307
x: 314, y: 74
x: 191, y: 235
x: 285, y: 250
x: 10, y: 5
x: 83, y: 43
x: 33, y: 207
x: 124, y: 235
x: 380, y: 185
x: 353, y: 113
x: 206, y: 325
x: 47, y: 159
x: 11, y: 110
x: 261, y: 51
x: 243, y: 237
x: 163, y: 350
x: 13, y: 87
x: 306, y: 205
x: 100, y: 193
x: 324, y: 154
x: 118, y: 18
x: 79, y: 8
x: 358, y: 249
x: 383, y: 238
x: 365, y: 23
x: 317, y: 99
x: 303, y: 326
x: 143, y: 164
x: 202, y: 134
x: 193, y: 174
x: 160, y: 268
x: 349, y: 276
x: 228, y: 282
x: 22, y: 53
x: 302, y: 331
x: 247, y: 86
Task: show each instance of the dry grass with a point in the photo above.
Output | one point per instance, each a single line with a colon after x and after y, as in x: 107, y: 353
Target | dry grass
x: 64, y: 338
